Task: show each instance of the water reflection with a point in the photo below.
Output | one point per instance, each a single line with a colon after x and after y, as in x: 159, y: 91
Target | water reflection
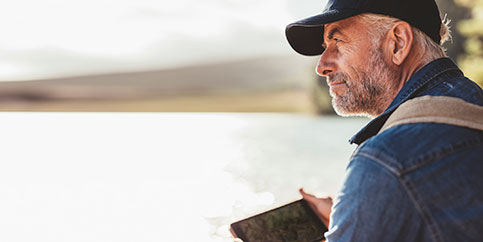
x: 159, y: 177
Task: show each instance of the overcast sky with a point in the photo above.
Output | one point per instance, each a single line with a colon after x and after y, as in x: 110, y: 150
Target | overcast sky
x: 48, y: 38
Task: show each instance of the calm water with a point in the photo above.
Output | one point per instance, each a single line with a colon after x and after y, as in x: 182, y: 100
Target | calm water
x: 159, y: 176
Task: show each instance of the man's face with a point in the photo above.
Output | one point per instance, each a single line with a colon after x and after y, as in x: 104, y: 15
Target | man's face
x: 361, y: 82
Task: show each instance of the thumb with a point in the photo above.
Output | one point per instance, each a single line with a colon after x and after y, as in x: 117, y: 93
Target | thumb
x: 310, y: 197
x: 306, y: 196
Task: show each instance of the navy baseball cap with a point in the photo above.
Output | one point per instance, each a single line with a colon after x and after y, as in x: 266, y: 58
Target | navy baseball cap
x: 306, y: 36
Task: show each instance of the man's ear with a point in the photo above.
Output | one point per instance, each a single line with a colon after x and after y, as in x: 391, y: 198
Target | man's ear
x: 400, y: 39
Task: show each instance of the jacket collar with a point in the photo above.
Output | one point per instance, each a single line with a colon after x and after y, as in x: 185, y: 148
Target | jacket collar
x: 413, y: 86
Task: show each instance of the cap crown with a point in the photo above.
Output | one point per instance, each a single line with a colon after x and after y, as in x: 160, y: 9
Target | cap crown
x: 306, y: 36
x: 422, y: 14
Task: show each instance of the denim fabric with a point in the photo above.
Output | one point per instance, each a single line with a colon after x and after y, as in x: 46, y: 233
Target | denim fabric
x: 415, y: 182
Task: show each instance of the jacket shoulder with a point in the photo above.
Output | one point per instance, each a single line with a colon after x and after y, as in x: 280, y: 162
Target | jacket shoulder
x: 406, y: 147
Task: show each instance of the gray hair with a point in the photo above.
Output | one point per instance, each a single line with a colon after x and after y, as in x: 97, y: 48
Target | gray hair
x: 432, y: 50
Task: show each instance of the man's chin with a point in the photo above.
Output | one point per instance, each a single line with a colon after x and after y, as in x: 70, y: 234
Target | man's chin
x: 345, y: 110
x: 344, y: 113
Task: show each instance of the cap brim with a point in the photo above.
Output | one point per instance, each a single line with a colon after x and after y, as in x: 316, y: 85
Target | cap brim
x: 307, y: 35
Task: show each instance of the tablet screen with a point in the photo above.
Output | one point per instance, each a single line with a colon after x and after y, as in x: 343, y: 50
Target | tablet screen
x: 293, y: 222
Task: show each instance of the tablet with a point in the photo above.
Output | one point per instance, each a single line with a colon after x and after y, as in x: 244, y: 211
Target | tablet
x: 295, y: 222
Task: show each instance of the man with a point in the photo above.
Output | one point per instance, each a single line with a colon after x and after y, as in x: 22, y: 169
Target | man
x: 412, y: 182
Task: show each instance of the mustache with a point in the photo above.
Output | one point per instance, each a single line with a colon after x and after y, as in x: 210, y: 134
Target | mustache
x: 337, y: 77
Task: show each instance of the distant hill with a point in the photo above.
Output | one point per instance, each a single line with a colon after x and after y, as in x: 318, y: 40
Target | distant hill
x: 251, y: 75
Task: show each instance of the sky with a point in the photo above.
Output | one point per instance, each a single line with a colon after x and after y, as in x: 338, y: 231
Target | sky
x: 54, y: 38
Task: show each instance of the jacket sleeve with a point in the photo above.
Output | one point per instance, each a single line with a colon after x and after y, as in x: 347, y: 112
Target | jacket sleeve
x: 373, y: 206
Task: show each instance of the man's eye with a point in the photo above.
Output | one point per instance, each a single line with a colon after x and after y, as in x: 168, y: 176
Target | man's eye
x: 336, y: 39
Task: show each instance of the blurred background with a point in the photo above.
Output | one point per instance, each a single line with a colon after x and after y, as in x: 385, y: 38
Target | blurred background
x: 211, y: 55
x: 168, y: 120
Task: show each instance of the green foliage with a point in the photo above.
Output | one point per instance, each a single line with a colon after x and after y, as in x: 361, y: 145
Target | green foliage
x: 472, y: 29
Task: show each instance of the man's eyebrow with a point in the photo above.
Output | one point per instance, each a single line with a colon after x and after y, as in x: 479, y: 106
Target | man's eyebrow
x: 332, y: 32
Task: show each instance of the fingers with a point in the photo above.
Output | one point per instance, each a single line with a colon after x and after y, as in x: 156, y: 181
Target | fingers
x: 310, y: 197
x: 321, y: 206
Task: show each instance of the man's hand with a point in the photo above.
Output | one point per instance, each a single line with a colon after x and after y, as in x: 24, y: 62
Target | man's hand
x: 321, y: 206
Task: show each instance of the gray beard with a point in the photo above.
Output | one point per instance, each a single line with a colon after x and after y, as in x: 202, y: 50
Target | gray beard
x: 372, y: 91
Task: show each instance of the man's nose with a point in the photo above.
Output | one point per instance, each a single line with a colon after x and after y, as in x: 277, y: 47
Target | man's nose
x: 325, y: 66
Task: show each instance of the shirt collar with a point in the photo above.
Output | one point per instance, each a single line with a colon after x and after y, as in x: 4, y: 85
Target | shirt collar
x: 425, y: 75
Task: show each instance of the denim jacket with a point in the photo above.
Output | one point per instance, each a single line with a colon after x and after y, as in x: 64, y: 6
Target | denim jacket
x: 415, y: 182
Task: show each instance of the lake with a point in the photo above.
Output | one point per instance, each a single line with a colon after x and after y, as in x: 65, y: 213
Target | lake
x: 159, y: 176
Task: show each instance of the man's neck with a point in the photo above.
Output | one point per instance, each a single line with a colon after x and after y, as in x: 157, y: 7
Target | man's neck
x: 413, y: 63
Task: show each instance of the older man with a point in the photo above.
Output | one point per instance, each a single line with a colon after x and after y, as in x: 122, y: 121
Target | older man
x: 413, y: 182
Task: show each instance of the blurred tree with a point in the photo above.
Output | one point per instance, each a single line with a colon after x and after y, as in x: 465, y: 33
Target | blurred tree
x: 472, y: 29
x: 321, y: 97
